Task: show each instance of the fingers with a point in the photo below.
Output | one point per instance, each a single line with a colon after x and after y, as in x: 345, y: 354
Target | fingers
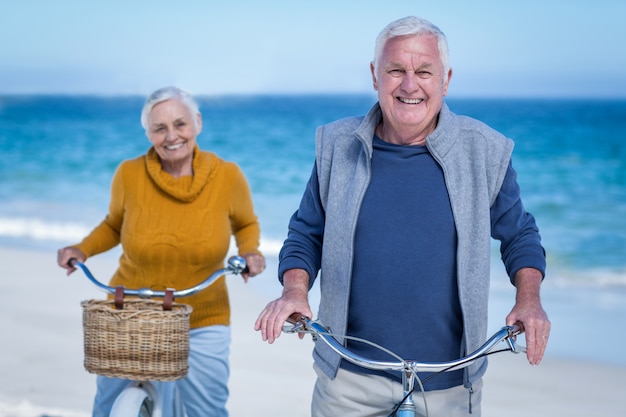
x: 537, y: 336
x: 255, y: 264
x: 293, y: 300
x: 65, y: 254
x: 530, y: 313
x: 271, y: 320
x: 266, y: 323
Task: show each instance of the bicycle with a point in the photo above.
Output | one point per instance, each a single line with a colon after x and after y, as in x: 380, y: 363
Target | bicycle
x: 141, y: 397
x: 409, y: 368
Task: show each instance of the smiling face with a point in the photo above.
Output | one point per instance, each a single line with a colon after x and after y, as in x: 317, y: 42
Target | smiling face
x: 172, y: 130
x: 411, y: 86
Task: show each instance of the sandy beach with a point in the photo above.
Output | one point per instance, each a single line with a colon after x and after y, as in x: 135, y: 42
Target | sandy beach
x: 41, y: 371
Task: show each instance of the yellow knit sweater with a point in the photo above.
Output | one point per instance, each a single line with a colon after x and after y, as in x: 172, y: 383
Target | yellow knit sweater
x: 175, y: 232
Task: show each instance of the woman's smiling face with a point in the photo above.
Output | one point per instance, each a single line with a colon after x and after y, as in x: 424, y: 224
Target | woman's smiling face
x: 172, y: 130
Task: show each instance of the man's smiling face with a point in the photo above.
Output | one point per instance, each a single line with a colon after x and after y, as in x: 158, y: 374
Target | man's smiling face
x: 411, y: 86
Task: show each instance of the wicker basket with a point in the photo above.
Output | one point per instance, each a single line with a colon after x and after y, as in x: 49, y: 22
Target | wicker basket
x: 140, y: 342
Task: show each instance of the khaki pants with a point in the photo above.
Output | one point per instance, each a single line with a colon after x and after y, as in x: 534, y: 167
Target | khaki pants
x: 353, y: 394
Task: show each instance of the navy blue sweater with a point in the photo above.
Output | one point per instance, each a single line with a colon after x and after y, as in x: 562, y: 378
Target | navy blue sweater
x: 404, y: 263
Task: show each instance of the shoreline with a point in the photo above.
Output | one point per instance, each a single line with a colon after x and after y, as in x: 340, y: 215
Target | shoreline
x: 42, y: 370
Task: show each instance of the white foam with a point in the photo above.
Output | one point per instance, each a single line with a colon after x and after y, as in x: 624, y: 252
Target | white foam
x: 26, y: 409
x: 39, y: 229
x: 270, y: 247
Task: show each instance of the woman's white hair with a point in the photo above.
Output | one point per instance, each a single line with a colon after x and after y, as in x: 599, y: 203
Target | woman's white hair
x: 412, y: 25
x: 168, y: 93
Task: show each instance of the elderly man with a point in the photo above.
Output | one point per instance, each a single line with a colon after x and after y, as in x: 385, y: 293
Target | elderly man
x: 411, y: 181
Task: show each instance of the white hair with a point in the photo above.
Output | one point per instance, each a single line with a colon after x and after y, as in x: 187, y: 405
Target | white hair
x: 412, y: 25
x: 169, y: 93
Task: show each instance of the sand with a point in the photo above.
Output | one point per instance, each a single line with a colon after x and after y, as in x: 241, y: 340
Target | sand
x: 41, y: 371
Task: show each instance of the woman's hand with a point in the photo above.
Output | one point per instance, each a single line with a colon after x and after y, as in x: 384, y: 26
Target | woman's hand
x: 255, y: 264
x: 65, y: 254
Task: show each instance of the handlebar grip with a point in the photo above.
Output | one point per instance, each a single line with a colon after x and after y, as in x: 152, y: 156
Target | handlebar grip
x: 296, y: 323
x: 517, y: 328
x: 297, y: 318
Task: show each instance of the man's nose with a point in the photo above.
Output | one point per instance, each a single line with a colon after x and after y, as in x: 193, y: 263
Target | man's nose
x: 411, y: 83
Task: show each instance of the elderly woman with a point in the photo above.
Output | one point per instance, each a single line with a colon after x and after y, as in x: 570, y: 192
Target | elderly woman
x: 174, y: 210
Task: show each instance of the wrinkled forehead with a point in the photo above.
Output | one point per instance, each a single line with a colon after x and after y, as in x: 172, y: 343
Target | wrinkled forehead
x: 416, y: 50
x: 172, y: 107
x: 170, y: 111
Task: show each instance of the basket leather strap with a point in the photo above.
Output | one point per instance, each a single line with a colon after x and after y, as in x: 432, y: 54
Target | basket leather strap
x: 119, y: 298
x: 168, y: 300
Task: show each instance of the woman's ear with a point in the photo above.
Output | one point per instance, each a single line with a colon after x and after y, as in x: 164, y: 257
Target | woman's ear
x: 199, y: 123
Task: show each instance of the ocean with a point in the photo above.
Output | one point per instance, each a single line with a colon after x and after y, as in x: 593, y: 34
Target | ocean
x: 59, y: 154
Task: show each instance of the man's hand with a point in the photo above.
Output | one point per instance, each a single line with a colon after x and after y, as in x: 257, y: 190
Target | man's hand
x: 293, y: 300
x: 530, y: 313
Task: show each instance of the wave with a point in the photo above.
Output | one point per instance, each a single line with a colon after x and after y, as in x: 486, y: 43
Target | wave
x: 39, y: 232
x: 597, y: 277
x: 26, y: 409
x: 40, y: 229
x: 33, y: 229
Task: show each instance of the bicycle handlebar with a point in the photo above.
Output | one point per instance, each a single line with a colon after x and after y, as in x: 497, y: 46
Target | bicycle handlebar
x: 236, y: 265
x: 303, y: 324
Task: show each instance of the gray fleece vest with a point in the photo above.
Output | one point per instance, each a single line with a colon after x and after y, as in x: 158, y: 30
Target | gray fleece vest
x: 474, y: 159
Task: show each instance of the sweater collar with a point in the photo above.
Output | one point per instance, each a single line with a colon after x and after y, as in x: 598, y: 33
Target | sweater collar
x: 185, y: 189
x: 435, y: 142
x: 442, y: 139
x: 367, y: 128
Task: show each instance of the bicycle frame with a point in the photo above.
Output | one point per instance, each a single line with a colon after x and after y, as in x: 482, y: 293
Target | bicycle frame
x: 408, y: 368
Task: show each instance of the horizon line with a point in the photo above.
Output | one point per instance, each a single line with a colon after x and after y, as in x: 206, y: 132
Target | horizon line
x: 320, y: 94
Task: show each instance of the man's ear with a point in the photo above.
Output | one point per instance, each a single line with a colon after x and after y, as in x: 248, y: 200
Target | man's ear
x: 447, y: 82
x: 373, y: 71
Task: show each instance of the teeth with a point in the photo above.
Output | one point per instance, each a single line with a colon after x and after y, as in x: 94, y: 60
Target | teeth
x: 410, y: 100
x: 174, y: 147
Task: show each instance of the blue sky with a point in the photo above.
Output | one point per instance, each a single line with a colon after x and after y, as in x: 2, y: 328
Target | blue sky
x: 557, y: 48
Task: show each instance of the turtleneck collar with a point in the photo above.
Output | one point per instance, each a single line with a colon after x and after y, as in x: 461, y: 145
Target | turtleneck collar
x: 185, y: 189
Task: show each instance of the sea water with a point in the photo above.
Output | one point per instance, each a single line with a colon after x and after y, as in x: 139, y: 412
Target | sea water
x: 58, y: 155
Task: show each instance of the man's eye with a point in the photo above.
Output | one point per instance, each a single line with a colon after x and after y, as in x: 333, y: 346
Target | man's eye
x: 424, y: 74
x: 396, y: 72
x: 158, y: 129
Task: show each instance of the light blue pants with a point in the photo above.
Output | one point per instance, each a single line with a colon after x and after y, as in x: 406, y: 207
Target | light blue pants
x: 203, y: 391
